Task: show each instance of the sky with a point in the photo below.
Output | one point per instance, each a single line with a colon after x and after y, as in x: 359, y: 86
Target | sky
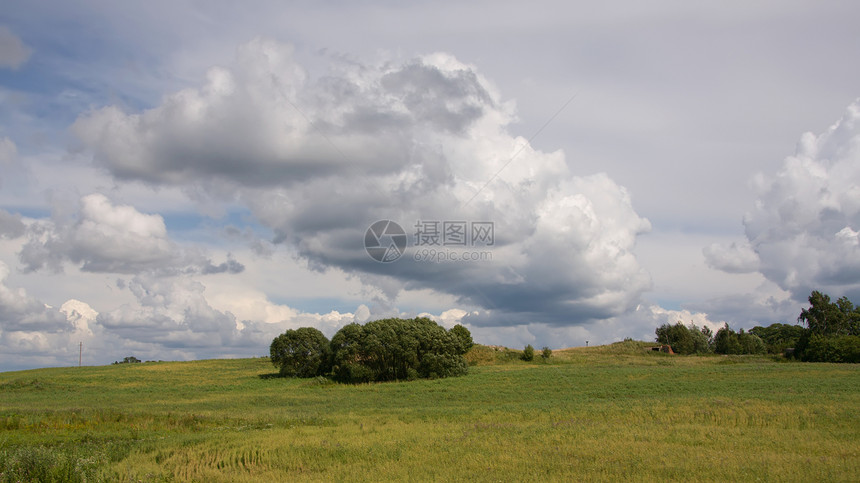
x: 185, y: 180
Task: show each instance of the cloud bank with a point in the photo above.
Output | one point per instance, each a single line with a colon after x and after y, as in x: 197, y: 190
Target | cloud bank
x: 319, y: 159
x: 111, y: 238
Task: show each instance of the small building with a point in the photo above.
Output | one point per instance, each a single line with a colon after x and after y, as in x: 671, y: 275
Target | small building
x: 666, y: 348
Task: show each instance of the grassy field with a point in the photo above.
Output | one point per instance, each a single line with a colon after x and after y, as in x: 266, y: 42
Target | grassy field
x: 602, y: 413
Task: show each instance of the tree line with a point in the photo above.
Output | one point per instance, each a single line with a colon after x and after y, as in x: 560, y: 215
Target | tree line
x: 382, y: 350
x: 832, y: 334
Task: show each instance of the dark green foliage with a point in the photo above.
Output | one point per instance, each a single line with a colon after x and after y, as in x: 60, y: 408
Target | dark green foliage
x: 728, y: 341
x: 464, y: 338
x: 685, y: 339
x: 398, y: 349
x: 128, y: 360
x: 834, y: 348
x: 528, y: 353
x: 546, y: 353
x: 303, y: 352
x: 778, y: 337
x: 833, y: 333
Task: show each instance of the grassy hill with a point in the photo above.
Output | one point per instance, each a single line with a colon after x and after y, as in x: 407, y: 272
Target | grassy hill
x: 601, y: 413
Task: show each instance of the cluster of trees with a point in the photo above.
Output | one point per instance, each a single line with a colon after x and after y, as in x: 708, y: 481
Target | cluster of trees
x: 832, y: 334
x: 701, y: 340
x: 382, y: 350
x: 778, y: 338
x: 685, y: 340
x: 727, y: 341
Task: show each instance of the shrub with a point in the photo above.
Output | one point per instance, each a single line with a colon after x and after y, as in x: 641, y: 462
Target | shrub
x: 528, y: 353
x: 546, y: 353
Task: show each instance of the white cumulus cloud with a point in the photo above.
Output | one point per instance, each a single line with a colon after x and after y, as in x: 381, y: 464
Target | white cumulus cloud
x: 732, y: 258
x: 112, y: 238
x: 802, y: 232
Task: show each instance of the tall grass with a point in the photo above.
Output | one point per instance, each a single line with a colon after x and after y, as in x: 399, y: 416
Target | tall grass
x: 600, y: 413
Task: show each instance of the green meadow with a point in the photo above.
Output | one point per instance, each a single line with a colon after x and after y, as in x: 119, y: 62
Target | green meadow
x: 618, y: 412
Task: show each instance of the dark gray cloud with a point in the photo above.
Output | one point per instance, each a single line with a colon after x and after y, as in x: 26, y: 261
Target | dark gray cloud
x: 230, y: 266
x: 21, y: 313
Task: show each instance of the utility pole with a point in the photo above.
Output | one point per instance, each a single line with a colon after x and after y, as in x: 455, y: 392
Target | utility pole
x: 80, y: 352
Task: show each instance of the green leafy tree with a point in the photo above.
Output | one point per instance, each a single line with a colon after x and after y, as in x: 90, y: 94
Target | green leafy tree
x: 750, y: 343
x: 546, y: 353
x: 824, y: 317
x: 851, y: 316
x: 347, y: 347
x: 702, y: 339
x: 303, y: 352
x: 726, y: 341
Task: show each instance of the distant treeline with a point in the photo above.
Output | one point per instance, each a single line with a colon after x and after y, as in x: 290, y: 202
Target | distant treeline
x: 382, y: 350
x: 832, y: 334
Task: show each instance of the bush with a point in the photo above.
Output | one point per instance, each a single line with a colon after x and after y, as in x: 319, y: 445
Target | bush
x: 546, y: 353
x: 303, y: 352
x: 528, y: 353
